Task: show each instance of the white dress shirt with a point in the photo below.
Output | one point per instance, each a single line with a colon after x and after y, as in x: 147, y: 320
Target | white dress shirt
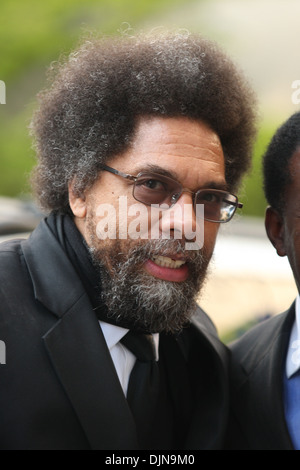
x: 123, y: 359
x: 293, y: 355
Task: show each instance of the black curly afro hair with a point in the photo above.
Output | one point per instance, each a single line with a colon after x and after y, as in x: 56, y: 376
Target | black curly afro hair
x: 90, y: 110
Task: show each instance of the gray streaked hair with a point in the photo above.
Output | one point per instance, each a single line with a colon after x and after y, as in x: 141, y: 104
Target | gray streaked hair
x: 96, y: 95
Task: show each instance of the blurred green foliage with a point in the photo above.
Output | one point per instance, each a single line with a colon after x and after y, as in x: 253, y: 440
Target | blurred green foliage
x: 32, y: 35
x: 36, y: 32
x: 251, y: 193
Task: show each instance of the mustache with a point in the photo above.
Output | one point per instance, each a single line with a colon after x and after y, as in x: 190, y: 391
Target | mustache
x: 143, y: 251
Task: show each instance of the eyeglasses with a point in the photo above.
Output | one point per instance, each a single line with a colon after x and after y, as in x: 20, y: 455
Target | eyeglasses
x: 153, y: 188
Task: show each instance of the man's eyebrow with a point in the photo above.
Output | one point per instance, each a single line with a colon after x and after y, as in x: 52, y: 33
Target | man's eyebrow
x: 159, y: 170
x: 222, y: 185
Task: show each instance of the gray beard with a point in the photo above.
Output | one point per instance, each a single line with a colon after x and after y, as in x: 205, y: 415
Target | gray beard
x: 134, y: 297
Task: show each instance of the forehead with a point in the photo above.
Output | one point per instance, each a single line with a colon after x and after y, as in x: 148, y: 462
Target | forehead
x: 188, y: 148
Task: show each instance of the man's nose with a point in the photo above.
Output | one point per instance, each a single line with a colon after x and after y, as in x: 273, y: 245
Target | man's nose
x: 180, y: 220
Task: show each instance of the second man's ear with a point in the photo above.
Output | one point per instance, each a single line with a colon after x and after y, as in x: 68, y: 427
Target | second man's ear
x: 274, y: 224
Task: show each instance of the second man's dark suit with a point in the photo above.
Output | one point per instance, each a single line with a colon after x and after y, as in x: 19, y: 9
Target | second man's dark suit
x: 257, y: 390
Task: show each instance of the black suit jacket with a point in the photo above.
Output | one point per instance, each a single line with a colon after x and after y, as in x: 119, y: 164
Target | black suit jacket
x: 59, y: 388
x: 257, y: 419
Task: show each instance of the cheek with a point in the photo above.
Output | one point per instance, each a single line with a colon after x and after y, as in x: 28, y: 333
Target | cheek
x: 292, y: 247
x: 210, y: 235
x: 133, y: 219
x: 293, y: 250
x: 120, y: 219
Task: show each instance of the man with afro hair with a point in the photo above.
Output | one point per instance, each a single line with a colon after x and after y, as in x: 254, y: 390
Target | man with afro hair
x: 141, y: 144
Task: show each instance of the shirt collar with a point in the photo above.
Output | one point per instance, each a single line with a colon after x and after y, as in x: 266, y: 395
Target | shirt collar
x: 113, y: 335
x: 293, y: 355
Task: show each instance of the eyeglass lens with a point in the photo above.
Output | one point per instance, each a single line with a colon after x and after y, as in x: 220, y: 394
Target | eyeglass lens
x: 219, y: 206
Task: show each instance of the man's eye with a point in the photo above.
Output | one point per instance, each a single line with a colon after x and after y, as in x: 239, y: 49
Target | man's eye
x: 154, y: 184
x: 210, y: 197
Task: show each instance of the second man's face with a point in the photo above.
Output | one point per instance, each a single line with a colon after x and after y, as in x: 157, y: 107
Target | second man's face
x: 283, y: 227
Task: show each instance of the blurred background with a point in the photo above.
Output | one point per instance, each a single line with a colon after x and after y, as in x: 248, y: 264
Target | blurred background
x: 248, y: 282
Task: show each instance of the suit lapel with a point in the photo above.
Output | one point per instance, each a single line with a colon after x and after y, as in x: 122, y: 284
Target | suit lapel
x: 83, y: 364
x: 208, y: 365
x: 77, y: 348
x: 203, y: 327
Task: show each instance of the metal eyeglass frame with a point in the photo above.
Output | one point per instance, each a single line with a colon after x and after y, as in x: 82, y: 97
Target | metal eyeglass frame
x: 237, y: 204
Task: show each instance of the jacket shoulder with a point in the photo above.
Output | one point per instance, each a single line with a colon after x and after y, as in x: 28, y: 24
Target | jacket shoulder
x: 10, y: 256
x: 10, y: 246
x: 201, y: 319
x: 13, y: 272
x: 204, y: 329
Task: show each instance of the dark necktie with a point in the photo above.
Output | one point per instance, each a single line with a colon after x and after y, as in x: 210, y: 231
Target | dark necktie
x: 143, y: 387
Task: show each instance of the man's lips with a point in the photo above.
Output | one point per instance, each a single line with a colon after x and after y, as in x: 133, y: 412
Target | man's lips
x: 167, y: 269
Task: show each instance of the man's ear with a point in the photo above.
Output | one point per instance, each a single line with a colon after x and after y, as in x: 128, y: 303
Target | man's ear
x: 77, y: 203
x: 275, y: 230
